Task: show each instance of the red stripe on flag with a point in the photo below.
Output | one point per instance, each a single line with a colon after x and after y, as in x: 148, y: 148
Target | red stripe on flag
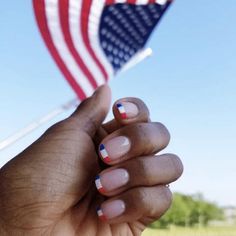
x: 85, y: 11
x: 110, y: 2
x: 131, y: 1
x: 39, y: 8
x: 64, y: 21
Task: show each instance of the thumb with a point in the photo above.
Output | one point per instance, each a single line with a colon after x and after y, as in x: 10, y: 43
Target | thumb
x: 92, y: 111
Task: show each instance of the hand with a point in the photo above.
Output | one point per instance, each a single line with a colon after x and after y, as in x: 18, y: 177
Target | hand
x: 49, y: 188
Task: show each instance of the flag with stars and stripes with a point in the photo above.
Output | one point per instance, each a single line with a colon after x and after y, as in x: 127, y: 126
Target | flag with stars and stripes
x: 91, y: 40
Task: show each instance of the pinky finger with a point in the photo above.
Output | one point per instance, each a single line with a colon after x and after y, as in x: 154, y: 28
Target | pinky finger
x: 145, y: 204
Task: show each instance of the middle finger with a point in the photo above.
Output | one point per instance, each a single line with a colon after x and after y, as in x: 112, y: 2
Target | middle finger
x: 132, y: 141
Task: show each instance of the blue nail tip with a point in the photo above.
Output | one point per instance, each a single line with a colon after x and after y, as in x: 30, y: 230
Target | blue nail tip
x: 97, y: 177
x: 101, y: 147
x: 119, y: 105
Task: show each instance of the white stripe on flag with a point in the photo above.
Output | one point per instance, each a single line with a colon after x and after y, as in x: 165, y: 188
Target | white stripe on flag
x: 120, y: 1
x: 93, y: 29
x: 75, y: 7
x: 161, y: 2
x: 142, y: 2
x: 52, y: 14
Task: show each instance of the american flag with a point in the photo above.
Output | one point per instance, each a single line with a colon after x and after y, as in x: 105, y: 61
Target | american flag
x: 91, y: 40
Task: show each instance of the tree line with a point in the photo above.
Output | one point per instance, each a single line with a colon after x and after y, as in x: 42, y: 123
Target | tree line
x: 188, y: 211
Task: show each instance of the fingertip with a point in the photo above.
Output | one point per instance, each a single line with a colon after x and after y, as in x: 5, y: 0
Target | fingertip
x: 164, y: 133
x: 111, y: 209
x: 92, y: 111
x: 103, y: 93
x: 103, y: 89
x: 130, y: 110
x: 177, y: 164
x: 127, y: 110
x: 168, y: 196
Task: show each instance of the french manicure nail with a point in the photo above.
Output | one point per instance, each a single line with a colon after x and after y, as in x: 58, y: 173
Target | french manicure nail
x: 111, y: 180
x: 115, y: 148
x: 127, y: 110
x: 110, y: 210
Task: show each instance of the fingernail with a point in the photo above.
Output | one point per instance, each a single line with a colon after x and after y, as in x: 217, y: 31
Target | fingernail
x: 127, y: 110
x: 110, y: 210
x: 115, y: 148
x: 111, y: 180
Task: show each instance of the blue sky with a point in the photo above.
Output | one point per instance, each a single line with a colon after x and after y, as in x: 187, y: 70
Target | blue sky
x: 189, y: 85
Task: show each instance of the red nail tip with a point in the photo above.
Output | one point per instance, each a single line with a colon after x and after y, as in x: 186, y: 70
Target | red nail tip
x: 101, y: 215
x: 123, y: 116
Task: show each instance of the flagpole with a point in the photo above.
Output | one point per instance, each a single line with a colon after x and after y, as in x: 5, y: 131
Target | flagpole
x: 37, y: 123
x: 139, y: 57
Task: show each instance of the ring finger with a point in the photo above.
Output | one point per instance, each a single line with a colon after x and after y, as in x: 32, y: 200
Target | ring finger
x: 141, y: 171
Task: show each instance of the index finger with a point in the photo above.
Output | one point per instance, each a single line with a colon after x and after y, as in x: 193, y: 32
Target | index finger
x: 127, y: 111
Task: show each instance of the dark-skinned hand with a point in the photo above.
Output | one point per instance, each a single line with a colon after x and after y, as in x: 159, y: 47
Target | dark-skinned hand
x: 49, y: 189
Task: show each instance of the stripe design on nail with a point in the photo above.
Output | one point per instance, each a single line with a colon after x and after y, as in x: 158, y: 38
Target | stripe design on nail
x: 104, y: 153
x: 100, y: 214
x: 122, y: 111
x: 99, y: 184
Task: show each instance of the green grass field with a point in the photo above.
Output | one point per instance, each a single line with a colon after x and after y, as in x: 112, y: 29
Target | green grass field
x: 216, y: 231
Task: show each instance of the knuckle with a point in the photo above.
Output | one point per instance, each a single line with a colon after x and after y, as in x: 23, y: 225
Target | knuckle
x: 166, y: 197
x: 66, y: 126
x: 147, y: 137
x: 143, y: 167
x: 164, y: 132
x: 91, y: 124
x: 154, y: 201
x: 177, y: 165
x: 138, y: 129
x: 136, y: 132
x: 84, y: 103
x: 56, y: 128
x: 143, y: 138
x: 142, y: 196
